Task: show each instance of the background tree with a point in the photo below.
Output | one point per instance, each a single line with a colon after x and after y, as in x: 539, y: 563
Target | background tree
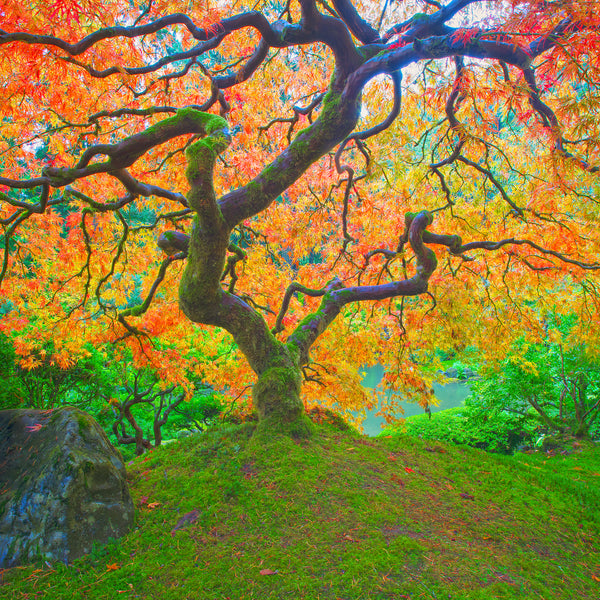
x: 558, y: 388
x: 133, y: 404
x: 391, y: 176
x: 142, y: 389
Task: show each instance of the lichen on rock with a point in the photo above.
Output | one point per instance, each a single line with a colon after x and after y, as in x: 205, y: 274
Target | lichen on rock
x: 63, y: 486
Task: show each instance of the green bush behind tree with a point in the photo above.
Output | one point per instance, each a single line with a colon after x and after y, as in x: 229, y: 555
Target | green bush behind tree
x: 539, y: 394
x: 551, y: 384
x: 134, y: 407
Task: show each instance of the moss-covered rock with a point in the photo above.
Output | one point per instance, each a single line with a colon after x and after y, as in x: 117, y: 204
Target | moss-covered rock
x: 62, y: 485
x: 559, y: 442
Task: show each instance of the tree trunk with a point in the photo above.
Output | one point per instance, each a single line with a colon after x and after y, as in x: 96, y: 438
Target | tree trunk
x: 276, y: 397
x: 140, y: 441
x: 157, y: 429
x: 276, y: 394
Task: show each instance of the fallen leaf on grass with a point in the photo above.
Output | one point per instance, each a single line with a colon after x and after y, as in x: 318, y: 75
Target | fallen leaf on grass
x: 113, y: 567
x: 268, y: 572
x: 153, y: 505
x: 397, y: 480
x: 436, y: 449
x: 186, y: 520
x: 595, y: 578
x: 466, y: 496
x: 505, y: 578
x: 409, y: 470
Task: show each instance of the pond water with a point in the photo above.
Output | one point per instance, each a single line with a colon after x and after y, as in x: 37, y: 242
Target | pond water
x: 449, y: 395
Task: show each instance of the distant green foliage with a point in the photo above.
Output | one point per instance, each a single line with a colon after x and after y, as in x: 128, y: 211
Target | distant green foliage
x: 102, y: 385
x: 11, y: 391
x: 538, y: 390
x: 48, y: 385
x: 462, y: 370
x: 557, y: 387
x: 202, y: 408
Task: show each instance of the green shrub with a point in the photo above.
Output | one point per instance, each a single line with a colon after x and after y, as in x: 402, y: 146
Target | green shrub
x: 501, y: 432
x: 556, y: 386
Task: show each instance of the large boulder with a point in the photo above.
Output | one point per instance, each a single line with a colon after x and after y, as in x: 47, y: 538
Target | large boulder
x: 62, y: 486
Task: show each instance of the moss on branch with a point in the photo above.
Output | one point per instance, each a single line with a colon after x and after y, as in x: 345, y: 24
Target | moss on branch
x: 126, y: 152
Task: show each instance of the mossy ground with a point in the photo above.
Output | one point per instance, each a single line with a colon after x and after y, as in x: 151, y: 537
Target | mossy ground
x: 339, y: 516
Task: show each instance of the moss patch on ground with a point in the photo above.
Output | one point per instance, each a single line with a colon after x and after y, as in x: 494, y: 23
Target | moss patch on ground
x: 340, y: 515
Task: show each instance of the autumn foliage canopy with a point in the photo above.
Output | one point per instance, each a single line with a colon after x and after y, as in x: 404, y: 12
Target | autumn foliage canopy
x: 276, y: 194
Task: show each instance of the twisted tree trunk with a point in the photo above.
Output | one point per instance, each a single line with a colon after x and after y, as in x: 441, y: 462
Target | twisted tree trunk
x: 276, y: 394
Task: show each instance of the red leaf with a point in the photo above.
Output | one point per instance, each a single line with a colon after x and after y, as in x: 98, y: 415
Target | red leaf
x: 464, y: 35
x: 409, y: 470
x: 268, y: 572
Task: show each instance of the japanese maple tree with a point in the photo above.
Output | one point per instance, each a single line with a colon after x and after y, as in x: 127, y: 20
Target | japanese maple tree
x: 331, y: 183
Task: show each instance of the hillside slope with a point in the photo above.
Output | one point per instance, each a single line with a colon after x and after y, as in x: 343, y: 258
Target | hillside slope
x: 342, y: 516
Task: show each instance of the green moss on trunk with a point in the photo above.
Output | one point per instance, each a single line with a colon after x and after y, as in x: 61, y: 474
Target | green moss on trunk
x: 276, y: 397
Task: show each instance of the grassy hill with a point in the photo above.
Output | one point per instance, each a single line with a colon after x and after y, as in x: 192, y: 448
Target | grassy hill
x: 341, y: 516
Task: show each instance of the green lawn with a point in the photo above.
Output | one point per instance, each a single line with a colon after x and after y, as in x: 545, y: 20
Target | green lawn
x: 343, y: 516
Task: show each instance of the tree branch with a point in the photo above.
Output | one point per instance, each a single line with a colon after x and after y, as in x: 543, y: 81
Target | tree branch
x: 126, y: 152
x: 357, y: 25
x: 337, y: 296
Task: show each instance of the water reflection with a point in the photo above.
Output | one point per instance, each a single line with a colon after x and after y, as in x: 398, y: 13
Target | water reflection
x: 449, y: 395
